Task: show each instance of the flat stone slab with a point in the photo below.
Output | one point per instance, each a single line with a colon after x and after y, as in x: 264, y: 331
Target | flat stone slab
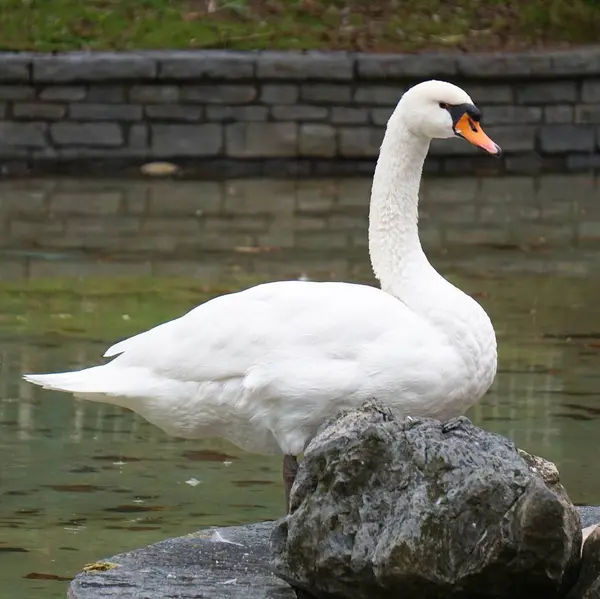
x: 217, y: 563
x: 220, y: 563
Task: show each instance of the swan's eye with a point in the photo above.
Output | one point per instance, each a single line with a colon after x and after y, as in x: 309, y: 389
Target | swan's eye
x: 444, y: 105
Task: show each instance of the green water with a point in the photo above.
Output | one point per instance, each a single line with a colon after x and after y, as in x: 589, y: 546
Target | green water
x: 80, y: 481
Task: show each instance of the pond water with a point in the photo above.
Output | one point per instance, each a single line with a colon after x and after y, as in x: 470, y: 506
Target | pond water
x: 80, y: 481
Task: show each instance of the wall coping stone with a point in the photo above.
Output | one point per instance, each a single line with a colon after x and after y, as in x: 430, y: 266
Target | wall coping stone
x: 294, y: 66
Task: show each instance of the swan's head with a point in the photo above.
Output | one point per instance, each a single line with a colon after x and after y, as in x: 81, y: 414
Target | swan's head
x: 437, y: 109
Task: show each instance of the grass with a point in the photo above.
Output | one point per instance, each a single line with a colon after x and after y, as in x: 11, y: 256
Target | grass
x: 374, y: 25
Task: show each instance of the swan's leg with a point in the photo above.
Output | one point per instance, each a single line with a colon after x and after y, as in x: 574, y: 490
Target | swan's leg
x: 290, y: 468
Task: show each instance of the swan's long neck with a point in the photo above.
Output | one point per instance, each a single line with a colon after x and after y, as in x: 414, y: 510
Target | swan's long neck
x: 402, y: 267
x: 394, y: 246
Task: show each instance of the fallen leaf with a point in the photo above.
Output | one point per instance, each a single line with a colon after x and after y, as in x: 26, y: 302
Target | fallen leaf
x: 99, y: 567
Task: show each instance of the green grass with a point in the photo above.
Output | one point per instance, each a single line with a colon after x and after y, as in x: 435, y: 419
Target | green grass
x: 375, y: 25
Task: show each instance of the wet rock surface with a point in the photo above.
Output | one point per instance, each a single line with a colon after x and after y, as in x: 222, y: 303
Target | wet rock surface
x: 588, y: 584
x: 388, y: 507
x: 223, y: 563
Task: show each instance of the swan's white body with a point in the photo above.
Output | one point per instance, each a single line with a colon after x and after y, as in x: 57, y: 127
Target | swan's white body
x: 266, y: 366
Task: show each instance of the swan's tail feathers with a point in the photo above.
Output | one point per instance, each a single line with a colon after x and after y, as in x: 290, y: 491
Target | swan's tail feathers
x: 96, y: 384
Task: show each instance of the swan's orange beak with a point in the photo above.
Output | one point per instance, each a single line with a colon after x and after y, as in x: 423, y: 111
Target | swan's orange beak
x: 473, y: 133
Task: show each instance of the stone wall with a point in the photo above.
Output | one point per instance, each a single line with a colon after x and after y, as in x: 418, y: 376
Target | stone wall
x: 232, y: 113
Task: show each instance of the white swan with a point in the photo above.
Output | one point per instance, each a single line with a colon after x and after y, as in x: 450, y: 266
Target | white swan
x: 264, y: 367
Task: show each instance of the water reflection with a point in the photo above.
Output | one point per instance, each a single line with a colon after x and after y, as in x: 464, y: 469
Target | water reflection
x: 80, y: 481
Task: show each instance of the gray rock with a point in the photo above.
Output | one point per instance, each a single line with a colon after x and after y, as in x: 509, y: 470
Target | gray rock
x: 401, y: 66
x: 299, y: 112
x: 566, y: 138
x: 236, y: 113
x: 317, y: 140
x: 16, y: 92
x: 105, y: 112
x: 381, y: 95
x: 225, y: 563
x: 38, y: 110
x: 109, y: 94
x: 590, y: 92
x: 417, y: 508
x: 30, y: 135
x: 87, y: 134
x: 305, y: 66
x: 351, y: 116
x: 205, y: 64
x: 174, y: 112
x: 323, y: 93
x: 249, y: 140
x: 100, y: 66
x: 360, y: 142
x: 561, y: 113
x: 154, y: 94
x: 15, y: 66
x: 553, y: 92
x: 187, y: 140
x: 511, y: 115
x: 588, y: 583
x: 218, y: 94
x: 279, y: 94
x: 68, y: 93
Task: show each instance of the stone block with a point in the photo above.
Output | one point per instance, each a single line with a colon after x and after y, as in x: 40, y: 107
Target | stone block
x: 310, y: 65
x: 401, y: 66
x: 587, y: 113
x: 187, y: 140
x: 493, y: 93
x: 107, y: 94
x: 506, y: 115
x: 363, y: 142
x: 38, y: 111
x: 105, y: 112
x: 550, y: 92
x: 236, y: 113
x: 560, y: 113
x: 299, y: 112
x: 15, y: 66
x: 205, y: 64
x: 382, y: 95
x: 138, y: 137
x: 323, y: 93
x: 16, y: 92
x: 154, y: 94
x: 261, y: 140
x: 174, y: 112
x: 577, y: 61
x: 514, y: 138
x: 503, y: 64
x: 590, y: 91
x: 22, y: 135
x: 108, y: 135
x: 218, y: 94
x: 317, y: 140
x: 345, y: 115
x: 380, y: 116
x: 100, y: 66
x: 276, y: 93
x: 567, y: 138
x: 64, y: 93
